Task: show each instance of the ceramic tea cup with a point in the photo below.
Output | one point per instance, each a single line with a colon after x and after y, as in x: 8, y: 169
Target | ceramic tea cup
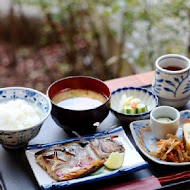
x: 164, y: 120
x: 171, y: 81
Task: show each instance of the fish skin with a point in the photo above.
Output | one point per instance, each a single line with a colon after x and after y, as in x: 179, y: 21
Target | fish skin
x: 104, y: 147
x: 71, y: 160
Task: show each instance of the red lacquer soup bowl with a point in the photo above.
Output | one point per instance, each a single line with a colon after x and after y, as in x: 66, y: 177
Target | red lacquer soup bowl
x: 78, y: 102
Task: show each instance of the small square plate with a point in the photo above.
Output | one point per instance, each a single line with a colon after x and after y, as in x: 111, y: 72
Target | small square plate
x: 146, y: 142
x: 132, y: 161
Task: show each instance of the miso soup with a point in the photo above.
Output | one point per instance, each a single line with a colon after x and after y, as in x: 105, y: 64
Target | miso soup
x: 79, y: 99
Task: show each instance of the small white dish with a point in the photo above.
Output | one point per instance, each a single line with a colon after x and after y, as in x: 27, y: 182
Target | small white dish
x: 130, y: 164
x: 145, y: 141
x: 160, y: 129
x: 145, y: 95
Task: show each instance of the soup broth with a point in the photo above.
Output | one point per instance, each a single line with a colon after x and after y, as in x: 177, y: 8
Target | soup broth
x: 79, y: 99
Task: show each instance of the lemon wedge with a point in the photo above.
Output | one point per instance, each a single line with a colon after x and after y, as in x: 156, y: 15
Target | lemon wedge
x: 127, y: 100
x: 115, y: 160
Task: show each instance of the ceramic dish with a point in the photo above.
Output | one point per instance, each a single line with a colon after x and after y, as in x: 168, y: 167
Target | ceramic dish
x: 63, y: 116
x: 146, y: 142
x: 146, y: 96
x: 130, y: 164
x: 17, y: 138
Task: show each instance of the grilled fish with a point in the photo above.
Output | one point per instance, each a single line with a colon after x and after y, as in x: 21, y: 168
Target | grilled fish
x: 71, y: 160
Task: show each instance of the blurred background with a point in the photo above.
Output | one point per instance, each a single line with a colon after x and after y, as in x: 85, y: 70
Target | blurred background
x: 44, y: 40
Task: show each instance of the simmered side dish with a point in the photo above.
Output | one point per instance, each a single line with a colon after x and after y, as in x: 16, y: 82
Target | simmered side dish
x: 171, y: 150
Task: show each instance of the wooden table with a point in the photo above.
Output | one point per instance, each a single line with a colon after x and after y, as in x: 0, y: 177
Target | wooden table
x: 15, y: 171
x: 143, y: 79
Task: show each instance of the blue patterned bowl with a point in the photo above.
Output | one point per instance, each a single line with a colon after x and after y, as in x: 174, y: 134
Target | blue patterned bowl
x: 18, y: 138
x: 149, y: 99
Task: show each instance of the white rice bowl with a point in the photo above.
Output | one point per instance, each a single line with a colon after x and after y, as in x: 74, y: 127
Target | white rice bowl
x: 18, y: 114
x: 20, y: 122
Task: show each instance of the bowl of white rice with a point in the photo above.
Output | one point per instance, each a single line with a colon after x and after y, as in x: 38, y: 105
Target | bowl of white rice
x: 22, y: 113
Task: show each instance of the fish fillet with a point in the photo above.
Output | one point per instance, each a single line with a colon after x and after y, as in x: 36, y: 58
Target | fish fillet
x: 71, y: 160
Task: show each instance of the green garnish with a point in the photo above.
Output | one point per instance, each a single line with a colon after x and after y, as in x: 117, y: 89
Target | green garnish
x: 97, y: 172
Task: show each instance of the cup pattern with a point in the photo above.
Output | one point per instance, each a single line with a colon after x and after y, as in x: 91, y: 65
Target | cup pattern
x: 171, y: 85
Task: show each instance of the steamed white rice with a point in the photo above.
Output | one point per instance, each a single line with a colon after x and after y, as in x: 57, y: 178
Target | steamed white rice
x: 18, y: 114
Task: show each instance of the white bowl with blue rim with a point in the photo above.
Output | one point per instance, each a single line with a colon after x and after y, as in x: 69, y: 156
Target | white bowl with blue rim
x: 17, y: 138
x: 145, y: 95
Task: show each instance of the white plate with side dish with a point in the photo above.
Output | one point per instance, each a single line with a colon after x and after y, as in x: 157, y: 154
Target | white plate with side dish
x: 132, y: 161
x: 146, y: 142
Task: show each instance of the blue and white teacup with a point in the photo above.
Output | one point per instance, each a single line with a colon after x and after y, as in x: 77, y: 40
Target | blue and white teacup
x: 171, y: 80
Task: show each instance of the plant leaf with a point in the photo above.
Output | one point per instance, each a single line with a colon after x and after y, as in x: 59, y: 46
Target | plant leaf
x: 185, y: 91
x: 159, y: 80
x: 177, y: 80
x: 158, y: 89
x: 170, y: 83
x: 168, y: 90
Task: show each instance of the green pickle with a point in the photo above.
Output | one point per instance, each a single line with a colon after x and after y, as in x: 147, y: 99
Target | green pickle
x: 141, y: 108
x: 128, y: 110
x: 133, y: 106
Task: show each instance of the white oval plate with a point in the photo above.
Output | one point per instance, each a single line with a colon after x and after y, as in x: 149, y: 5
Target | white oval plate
x: 146, y: 142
